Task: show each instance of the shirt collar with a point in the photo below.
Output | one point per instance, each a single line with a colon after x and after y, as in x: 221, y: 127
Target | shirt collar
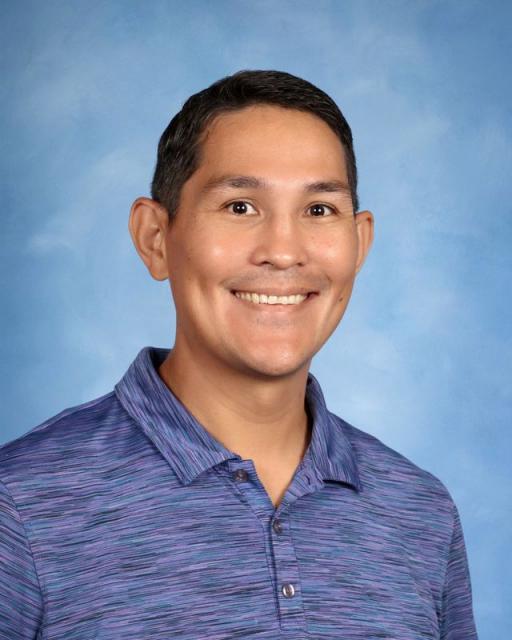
x: 190, y: 449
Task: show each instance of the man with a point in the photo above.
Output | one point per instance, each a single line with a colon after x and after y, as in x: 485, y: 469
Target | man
x: 212, y: 494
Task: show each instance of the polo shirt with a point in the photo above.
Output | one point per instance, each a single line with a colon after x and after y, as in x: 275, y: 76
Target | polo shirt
x: 123, y: 518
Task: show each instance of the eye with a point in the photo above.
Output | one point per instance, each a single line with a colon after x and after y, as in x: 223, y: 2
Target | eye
x: 321, y: 210
x: 239, y: 207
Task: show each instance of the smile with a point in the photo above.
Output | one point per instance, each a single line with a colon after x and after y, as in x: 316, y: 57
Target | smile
x: 263, y: 298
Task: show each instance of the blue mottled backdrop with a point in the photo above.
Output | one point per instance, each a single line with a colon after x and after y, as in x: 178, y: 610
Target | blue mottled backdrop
x: 422, y: 357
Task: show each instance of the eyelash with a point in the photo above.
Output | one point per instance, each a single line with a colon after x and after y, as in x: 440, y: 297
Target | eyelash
x: 321, y: 204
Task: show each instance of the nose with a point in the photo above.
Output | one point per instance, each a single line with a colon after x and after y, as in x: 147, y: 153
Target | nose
x: 281, y: 242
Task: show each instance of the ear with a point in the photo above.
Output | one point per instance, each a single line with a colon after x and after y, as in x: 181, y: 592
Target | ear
x: 148, y: 225
x: 364, y: 229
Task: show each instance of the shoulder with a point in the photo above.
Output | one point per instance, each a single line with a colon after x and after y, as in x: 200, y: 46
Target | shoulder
x: 75, y: 433
x: 388, y: 474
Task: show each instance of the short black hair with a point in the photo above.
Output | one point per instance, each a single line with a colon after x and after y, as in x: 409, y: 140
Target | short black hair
x: 180, y: 144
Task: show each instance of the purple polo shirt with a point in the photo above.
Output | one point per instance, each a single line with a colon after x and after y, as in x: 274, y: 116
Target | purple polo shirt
x: 123, y: 518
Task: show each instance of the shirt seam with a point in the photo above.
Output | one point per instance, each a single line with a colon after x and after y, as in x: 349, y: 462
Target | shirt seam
x: 294, y: 548
x: 447, y: 559
x: 42, y: 589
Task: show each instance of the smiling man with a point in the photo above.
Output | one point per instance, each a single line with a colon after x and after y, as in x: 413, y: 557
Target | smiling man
x: 212, y: 494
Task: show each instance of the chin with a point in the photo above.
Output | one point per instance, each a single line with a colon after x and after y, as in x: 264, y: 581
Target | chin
x: 276, y: 366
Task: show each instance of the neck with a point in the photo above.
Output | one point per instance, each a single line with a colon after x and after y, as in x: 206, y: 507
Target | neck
x: 257, y: 417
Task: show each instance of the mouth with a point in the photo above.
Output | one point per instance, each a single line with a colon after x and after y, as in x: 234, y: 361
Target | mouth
x: 272, y: 301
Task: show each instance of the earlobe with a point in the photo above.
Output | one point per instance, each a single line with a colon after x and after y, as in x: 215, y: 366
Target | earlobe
x: 147, y: 225
x: 364, y: 228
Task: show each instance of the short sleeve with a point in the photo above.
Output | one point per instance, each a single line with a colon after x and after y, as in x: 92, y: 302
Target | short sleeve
x: 21, y: 604
x: 457, y: 621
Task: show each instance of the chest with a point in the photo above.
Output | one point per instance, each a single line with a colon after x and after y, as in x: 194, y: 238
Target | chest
x: 211, y: 561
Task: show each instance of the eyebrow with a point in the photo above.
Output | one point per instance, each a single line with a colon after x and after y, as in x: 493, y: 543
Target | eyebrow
x: 251, y: 182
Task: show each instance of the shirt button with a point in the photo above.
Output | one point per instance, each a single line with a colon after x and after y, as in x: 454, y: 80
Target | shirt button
x: 241, y: 475
x: 288, y: 590
x: 277, y: 526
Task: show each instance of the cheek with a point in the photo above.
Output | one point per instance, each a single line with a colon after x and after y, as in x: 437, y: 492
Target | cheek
x: 210, y: 257
x: 338, y: 256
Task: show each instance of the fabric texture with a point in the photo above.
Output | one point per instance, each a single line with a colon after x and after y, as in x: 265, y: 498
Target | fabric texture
x: 124, y: 518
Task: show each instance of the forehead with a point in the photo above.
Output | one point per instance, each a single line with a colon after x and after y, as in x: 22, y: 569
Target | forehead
x: 271, y: 141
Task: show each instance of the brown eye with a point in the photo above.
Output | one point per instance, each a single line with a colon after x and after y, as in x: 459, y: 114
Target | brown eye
x: 239, y: 207
x: 320, y: 210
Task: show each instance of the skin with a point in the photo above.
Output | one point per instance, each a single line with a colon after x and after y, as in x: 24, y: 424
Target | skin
x: 251, y: 361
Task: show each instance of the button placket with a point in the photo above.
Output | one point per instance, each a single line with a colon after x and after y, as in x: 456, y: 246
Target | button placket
x: 287, y: 583
x: 286, y: 578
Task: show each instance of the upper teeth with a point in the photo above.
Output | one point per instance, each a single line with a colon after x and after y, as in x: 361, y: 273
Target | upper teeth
x: 262, y: 298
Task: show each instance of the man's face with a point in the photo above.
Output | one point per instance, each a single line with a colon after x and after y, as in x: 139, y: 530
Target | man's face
x: 267, y: 233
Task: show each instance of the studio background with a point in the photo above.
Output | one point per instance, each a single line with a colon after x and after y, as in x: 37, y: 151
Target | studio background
x: 422, y: 357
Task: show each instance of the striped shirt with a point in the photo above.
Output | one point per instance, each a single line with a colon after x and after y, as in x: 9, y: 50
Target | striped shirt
x: 123, y: 518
